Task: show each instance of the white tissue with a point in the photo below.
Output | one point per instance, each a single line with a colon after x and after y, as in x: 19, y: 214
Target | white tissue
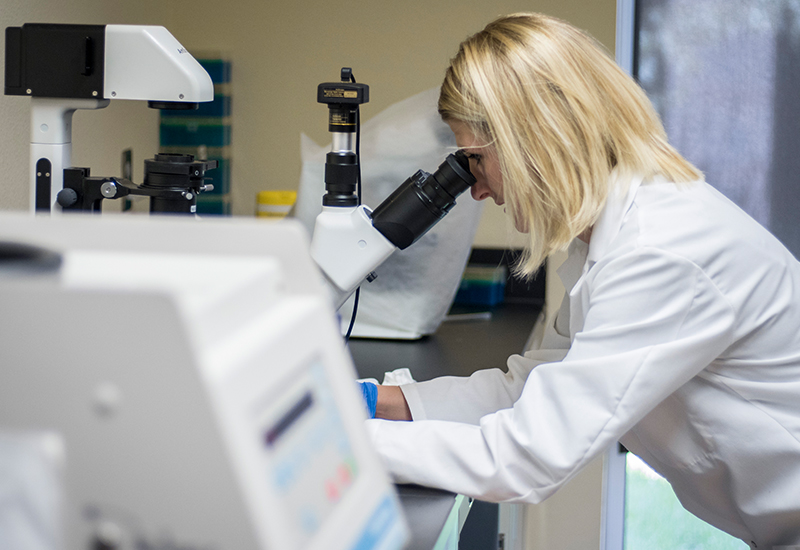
x: 398, y: 377
x: 415, y: 286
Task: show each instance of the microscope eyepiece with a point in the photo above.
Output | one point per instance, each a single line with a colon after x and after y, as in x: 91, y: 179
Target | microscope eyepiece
x: 422, y: 200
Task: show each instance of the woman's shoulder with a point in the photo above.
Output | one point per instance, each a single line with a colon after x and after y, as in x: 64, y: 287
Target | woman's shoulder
x: 696, y: 222
x: 689, y: 212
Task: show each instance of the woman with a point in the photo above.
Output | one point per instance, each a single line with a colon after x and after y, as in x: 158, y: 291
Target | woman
x: 681, y: 325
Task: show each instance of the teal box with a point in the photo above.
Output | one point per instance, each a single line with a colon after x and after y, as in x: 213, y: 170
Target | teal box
x: 217, y: 69
x: 194, y: 135
x: 213, y: 205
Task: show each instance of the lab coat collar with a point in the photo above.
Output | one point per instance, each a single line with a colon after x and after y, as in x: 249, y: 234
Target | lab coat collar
x: 570, y: 271
x: 606, y: 229
x: 582, y: 256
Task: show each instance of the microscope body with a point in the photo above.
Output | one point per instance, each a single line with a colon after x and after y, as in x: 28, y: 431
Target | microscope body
x: 350, y: 242
x: 348, y: 248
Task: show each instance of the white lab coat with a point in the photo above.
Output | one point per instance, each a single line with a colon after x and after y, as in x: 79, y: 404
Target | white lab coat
x: 683, y: 328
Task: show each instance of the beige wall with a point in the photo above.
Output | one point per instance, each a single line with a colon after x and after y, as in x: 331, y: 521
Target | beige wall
x: 280, y: 51
x: 570, y: 519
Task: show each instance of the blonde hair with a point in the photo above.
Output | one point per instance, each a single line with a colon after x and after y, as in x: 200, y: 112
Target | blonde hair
x: 562, y: 115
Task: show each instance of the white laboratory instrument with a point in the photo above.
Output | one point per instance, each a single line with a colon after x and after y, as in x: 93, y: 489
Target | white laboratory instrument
x: 196, y: 379
x: 63, y: 68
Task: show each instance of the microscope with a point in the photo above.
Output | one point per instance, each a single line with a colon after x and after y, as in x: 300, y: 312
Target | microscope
x: 349, y: 239
x: 63, y: 68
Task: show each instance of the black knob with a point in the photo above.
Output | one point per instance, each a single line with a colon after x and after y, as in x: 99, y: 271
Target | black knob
x: 67, y: 197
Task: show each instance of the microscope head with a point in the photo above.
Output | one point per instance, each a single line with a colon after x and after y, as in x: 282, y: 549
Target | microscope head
x: 104, y: 62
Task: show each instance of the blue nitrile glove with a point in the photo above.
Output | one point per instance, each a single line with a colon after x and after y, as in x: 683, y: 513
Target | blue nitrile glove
x: 370, y: 392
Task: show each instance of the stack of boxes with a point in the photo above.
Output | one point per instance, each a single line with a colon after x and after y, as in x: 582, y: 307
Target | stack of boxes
x: 482, y: 285
x: 206, y: 134
x: 489, y: 281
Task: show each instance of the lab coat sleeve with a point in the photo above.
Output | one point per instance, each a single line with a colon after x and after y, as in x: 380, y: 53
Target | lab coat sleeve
x: 652, y: 322
x: 467, y: 399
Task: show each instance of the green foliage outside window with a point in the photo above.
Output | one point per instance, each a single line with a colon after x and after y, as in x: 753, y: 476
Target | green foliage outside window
x: 655, y: 519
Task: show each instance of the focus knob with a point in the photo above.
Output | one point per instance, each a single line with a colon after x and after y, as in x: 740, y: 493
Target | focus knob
x: 67, y: 197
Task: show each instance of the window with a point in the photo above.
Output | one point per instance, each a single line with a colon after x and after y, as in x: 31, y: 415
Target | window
x: 724, y: 77
x: 655, y: 520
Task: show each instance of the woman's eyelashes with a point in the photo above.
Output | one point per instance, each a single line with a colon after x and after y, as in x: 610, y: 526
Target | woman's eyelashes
x: 473, y: 156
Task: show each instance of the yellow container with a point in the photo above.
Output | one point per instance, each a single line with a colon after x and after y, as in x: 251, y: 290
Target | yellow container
x: 274, y: 204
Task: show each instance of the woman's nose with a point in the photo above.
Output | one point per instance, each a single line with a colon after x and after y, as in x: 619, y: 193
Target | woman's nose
x: 479, y: 191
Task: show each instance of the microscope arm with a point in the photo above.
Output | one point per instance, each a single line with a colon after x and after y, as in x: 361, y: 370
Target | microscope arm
x: 51, y: 145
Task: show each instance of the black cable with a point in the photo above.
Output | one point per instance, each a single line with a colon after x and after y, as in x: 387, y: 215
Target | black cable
x: 358, y: 193
x: 353, y: 316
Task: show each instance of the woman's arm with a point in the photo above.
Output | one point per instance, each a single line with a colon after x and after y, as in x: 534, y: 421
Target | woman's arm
x: 654, y: 321
x: 467, y: 399
x: 392, y: 404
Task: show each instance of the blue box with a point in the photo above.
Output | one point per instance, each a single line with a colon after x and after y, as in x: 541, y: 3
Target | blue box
x: 482, y: 286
